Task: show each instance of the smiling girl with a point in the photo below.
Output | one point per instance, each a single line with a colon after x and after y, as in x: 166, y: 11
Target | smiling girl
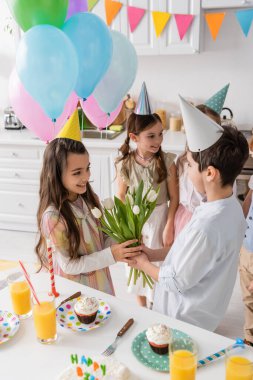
x: 149, y: 163
x: 65, y: 219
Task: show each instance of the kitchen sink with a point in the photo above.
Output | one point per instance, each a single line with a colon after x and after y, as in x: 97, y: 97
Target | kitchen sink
x: 104, y: 134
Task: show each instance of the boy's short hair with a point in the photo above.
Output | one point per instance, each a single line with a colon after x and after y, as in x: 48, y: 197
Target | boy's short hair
x: 228, y: 155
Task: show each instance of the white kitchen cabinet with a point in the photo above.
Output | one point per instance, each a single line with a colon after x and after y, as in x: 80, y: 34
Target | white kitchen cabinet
x: 216, y: 4
x: 170, y: 42
x: 20, y: 167
x: 144, y: 38
x: 100, y: 174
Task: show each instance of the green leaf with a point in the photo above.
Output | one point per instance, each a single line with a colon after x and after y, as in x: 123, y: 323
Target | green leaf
x: 120, y: 208
x: 127, y: 233
x: 118, y: 239
x: 130, y: 219
x: 145, y: 196
x: 151, y: 209
x: 111, y: 221
x: 138, y: 195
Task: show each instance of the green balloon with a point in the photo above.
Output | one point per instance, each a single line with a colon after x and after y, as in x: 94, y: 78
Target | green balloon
x: 29, y: 13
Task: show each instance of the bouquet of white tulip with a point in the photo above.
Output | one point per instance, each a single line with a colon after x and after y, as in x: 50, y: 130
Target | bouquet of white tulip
x: 124, y: 221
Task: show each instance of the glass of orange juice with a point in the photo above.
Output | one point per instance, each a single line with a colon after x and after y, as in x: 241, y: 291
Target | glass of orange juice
x: 20, y: 295
x: 183, y: 358
x: 238, y: 367
x: 44, y: 316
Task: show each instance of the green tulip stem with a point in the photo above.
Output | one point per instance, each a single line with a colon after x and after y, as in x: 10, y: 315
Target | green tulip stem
x: 130, y: 276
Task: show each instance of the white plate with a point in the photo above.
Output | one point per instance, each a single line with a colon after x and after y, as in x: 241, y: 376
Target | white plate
x: 9, y: 325
x: 67, y: 318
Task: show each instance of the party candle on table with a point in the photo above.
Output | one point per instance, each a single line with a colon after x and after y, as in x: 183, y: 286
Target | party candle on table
x: 51, y: 269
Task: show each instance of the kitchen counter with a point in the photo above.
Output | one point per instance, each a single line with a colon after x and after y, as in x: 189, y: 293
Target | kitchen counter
x: 173, y: 141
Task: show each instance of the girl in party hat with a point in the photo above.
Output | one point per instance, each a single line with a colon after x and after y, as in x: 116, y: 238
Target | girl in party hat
x: 196, y: 280
x: 149, y: 163
x: 65, y: 218
x: 189, y: 198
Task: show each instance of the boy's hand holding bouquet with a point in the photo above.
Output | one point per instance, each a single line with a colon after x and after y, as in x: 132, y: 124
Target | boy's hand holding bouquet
x: 124, y: 221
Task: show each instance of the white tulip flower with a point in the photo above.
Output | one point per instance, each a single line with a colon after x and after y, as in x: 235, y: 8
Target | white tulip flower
x: 96, y: 213
x: 130, y: 198
x: 108, y: 203
x: 136, y: 210
x: 152, y: 195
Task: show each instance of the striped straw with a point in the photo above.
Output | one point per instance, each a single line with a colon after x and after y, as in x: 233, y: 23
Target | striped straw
x: 51, y: 268
x: 209, y: 359
x: 29, y: 281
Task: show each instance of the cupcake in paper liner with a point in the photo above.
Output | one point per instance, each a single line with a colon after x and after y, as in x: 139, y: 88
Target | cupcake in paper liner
x: 158, y: 337
x: 86, y: 309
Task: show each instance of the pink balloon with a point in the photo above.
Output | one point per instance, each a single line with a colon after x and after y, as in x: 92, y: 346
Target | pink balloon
x: 94, y: 113
x: 31, y: 114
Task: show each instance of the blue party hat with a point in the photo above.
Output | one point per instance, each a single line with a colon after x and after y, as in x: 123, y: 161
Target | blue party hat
x: 143, y: 105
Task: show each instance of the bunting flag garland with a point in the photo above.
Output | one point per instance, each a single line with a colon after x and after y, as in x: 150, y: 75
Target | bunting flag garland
x: 134, y: 17
x: 244, y: 18
x: 214, y: 22
x: 91, y: 4
x: 183, y: 23
x: 160, y: 21
x: 112, y: 8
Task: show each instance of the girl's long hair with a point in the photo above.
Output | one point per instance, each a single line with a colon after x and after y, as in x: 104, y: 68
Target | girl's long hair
x: 53, y: 193
x: 137, y: 124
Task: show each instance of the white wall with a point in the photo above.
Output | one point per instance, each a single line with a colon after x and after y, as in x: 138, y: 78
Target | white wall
x: 228, y: 59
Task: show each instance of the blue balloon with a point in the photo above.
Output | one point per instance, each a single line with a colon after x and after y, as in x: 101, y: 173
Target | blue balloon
x: 120, y: 76
x: 47, y: 65
x: 92, y: 40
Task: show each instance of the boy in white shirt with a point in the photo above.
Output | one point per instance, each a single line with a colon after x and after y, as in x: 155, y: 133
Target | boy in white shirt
x: 195, y: 282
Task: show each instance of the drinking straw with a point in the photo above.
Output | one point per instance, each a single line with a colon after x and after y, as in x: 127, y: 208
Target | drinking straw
x: 29, y: 281
x: 51, y: 268
x: 211, y: 358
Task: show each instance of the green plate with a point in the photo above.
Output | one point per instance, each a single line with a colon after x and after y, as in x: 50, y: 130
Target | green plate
x: 144, y: 353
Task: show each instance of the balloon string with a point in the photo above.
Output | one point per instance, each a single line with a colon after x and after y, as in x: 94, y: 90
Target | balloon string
x: 82, y: 126
x: 107, y: 123
x: 53, y: 129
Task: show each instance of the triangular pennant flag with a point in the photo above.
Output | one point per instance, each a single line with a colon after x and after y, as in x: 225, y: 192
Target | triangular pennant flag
x: 201, y: 131
x: 183, y: 24
x: 91, y: 4
x: 245, y: 19
x: 112, y: 8
x: 160, y: 20
x: 71, y: 129
x: 214, y: 21
x: 134, y: 16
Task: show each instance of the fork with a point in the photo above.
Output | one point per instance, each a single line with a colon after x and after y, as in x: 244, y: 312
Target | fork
x: 110, y: 349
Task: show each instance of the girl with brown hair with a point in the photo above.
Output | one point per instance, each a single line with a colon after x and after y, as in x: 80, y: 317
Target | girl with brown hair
x: 149, y: 163
x: 65, y: 219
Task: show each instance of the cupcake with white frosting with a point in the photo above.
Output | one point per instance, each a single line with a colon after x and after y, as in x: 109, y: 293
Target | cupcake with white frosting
x: 86, y: 309
x: 158, y: 337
